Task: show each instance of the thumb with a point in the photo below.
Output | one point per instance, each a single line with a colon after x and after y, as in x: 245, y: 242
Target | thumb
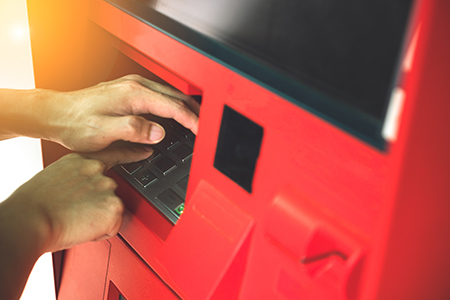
x: 121, y: 153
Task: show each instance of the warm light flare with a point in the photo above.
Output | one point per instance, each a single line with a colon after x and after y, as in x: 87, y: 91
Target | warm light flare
x: 20, y: 158
x: 19, y: 32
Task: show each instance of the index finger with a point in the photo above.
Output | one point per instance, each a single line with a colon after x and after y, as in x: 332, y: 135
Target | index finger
x: 120, y: 152
x: 174, y: 108
x: 167, y: 90
x: 163, y: 105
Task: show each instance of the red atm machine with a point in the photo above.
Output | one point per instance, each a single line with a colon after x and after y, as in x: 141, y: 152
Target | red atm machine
x: 321, y: 167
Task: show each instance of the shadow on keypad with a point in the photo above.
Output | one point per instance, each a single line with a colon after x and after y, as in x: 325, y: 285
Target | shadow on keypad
x: 163, y: 177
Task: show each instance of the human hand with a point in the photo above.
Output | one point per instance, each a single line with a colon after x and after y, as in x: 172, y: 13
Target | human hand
x: 71, y: 201
x: 93, y: 118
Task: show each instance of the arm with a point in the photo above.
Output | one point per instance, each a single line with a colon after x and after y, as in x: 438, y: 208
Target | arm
x: 68, y: 203
x: 20, y: 114
x: 71, y: 201
x: 93, y: 118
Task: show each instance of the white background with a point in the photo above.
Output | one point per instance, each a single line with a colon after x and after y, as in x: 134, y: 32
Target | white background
x: 20, y: 158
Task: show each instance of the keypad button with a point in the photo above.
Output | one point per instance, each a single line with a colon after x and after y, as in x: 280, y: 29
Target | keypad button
x: 183, y: 152
x: 165, y: 165
x: 131, y: 168
x: 180, y: 209
x: 192, y: 138
x: 145, y: 178
x: 183, y: 183
x: 156, y: 153
x: 170, y: 122
x: 170, y: 199
x: 183, y: 130
x: 169, y: 141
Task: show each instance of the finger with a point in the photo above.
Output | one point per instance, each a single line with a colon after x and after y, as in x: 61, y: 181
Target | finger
x: 165, y: 89
x: 164, y: 101
x: 110, y: 234
x: 103, y: 237
x: 169, y: 107
x: 117, y: 223
x: 169, y: 91
x: 121, y: 153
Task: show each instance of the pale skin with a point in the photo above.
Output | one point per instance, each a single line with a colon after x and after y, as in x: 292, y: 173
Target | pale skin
x: 72, y: 201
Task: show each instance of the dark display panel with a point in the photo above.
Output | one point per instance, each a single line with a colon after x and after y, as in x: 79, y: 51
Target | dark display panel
x: 346, y: 48
x: 238, y: 147
x: 337, y: 57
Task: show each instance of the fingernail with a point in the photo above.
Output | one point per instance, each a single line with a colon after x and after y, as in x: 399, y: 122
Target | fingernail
x: 156, y: 133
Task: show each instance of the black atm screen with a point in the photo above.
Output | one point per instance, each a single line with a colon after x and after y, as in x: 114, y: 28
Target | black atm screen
x: 346, y: 50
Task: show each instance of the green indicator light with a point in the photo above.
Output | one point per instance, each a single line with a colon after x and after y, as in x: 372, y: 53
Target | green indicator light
x: 179, y: 210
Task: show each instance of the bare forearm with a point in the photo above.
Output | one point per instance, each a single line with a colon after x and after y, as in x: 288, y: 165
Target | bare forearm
x: 93, y: 118
x: 68, y: 203
x: 72, y: 201
x: 21, y: 245
x: 24, y: 113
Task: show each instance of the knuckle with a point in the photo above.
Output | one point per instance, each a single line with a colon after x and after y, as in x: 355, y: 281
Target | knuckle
x: 134, y: 122
x: 181, y: 105
x: 92, y: 167
x: 106, y: 183
x: 115, y: 205
x: 133, y: 77
x: 130, y: 85
x: 133, y: 125
x: 97, y: 166
x: 73, y: 157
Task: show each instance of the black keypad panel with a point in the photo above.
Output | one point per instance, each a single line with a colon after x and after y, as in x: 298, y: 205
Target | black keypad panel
x: 183, y: 152
x: 183, y: 183
x: 162, y: 178
x: 165, y: 165
x: 170, y: 198
x: 183, y: 130
x: 156, y: 153
x: 132, y: 167
x: 169, y: 141
x: 145, y: 178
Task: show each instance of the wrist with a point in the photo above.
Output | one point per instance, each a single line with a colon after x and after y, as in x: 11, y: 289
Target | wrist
x: 23, y: 240
x: 56, y: 112
x: 26, y: 113
x: 45, y: 113
x: 24, y: 228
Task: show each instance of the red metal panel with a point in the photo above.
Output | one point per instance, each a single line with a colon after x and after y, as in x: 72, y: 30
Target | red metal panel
x: 311, y: 144
x: 132, y: 277
x: 340, y: 175
x: 330, y: 217
x: 204, y: 242
x: 411, y: 260
x: 79, y: 281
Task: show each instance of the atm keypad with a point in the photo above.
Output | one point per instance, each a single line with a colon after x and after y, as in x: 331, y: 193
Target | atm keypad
x: 162, y: 178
